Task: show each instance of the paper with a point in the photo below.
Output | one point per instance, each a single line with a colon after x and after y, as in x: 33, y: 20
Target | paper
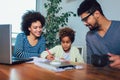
x: 56, y: 65
x: 37, y: 59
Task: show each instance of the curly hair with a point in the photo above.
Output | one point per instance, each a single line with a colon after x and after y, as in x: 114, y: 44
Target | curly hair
x: 28, y: 18
x: 66, y: 31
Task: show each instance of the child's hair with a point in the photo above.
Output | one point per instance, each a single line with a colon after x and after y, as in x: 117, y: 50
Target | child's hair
x: 66, y: 31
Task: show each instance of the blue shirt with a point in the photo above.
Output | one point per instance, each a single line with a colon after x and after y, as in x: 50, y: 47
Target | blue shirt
x: 109, y: 43
x: 23, y: 49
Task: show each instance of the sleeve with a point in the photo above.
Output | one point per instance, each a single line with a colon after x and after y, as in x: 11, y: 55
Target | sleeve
x: 19, y: 48
x: 45, y: 53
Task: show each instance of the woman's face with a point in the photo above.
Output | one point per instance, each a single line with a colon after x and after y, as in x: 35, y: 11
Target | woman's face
x: 36, y: 29
x: 66, y: 43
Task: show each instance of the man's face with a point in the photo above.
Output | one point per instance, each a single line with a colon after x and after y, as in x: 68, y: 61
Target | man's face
x: 89, y: 20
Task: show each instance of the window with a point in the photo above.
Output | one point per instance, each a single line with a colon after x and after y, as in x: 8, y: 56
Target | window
x: 12, y: 11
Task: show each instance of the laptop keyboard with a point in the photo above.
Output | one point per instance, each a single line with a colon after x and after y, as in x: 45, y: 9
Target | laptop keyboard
x: 21, y: 60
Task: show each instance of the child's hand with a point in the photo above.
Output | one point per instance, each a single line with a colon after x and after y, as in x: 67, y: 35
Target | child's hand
x: 50, y: 57
x: 62, y: 59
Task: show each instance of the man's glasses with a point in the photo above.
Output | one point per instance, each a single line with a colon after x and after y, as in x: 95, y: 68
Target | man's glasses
x: 85, y: 18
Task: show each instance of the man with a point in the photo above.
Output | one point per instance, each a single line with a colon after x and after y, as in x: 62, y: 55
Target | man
x: 103, y: 37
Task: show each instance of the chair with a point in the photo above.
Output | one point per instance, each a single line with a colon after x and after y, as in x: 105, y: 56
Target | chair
x: 81, y: 50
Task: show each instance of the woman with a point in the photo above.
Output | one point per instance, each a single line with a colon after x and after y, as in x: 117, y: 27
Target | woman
x: 31, y: 42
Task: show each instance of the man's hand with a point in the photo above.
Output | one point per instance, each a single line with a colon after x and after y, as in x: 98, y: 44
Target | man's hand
x: 115, y: 60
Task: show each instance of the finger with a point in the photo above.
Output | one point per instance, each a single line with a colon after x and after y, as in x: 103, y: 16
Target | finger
x: 51, y: 57
x: 114, y: 57
x: 115, y: 63
x: 117, y: 66
x: 109, y: 54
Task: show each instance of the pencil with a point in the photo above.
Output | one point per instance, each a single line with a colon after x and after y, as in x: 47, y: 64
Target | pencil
x: 48, y: 51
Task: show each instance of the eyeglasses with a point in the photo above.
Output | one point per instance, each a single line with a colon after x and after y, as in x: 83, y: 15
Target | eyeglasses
x: 85, y: 18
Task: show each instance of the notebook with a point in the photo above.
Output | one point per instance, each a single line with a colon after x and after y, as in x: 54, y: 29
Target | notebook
x: 57, y: 66
x: 6, y: 46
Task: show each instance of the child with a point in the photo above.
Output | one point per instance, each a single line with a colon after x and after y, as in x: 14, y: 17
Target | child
x: 65, y: 51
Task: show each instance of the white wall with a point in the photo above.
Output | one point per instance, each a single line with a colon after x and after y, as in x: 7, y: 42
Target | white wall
x: 11, y: 13
x: 110, y: 9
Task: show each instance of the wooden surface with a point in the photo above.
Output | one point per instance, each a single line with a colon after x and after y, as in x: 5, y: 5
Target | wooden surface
x: 27, y: 71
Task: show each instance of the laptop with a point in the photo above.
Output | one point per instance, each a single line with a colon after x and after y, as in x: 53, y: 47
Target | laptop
x: 6, y: 46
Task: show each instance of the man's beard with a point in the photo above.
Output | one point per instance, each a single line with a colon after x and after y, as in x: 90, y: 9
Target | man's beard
x: 95, y: 27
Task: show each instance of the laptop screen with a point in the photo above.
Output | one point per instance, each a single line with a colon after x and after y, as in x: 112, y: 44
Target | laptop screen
x: 5, y: 43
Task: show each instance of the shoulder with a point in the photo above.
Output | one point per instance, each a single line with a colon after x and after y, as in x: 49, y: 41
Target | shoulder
x: 90, y: 34
x: 115, y: 25
x: 42, y: 38
x: 115, y: 22
x: 58, y: 47
x: 74, y: 48
x: 21, y: 35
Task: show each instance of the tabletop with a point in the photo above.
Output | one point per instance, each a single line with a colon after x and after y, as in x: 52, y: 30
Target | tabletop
x: 29, y: 71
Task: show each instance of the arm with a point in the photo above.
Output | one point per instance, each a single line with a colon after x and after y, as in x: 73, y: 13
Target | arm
x: 42, y: 46
x: 89, y: 52
x: 19, y: 49
x: 48, y: 54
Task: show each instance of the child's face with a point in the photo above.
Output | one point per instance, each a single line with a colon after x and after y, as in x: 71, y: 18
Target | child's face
x: 66, y: 43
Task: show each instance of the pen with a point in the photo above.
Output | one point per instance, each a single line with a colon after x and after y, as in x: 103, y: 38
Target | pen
x: 50, y: 56
x: 48, y: 51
